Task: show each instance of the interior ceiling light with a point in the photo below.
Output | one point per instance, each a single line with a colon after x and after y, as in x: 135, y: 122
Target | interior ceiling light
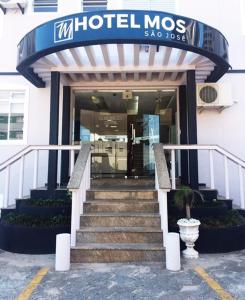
x: 168, y: 91
x: 132, y: 106
x: 95, y: 99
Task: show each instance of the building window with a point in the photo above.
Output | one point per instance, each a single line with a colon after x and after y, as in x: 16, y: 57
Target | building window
x: 45, y: 5
x: 93, y: 5
x: 12, y: 115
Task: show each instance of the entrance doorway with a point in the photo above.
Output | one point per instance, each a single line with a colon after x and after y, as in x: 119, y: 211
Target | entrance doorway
x: 122, y: 126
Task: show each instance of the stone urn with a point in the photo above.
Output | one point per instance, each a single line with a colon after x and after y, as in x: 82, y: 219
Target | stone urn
x: 189, y: 233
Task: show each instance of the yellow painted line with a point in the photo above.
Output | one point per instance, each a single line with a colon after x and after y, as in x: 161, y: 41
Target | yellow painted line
x: 224, y: 295
x: 25, y: 295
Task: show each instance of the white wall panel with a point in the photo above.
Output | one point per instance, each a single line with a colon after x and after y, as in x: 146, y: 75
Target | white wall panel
x: 168, y: 5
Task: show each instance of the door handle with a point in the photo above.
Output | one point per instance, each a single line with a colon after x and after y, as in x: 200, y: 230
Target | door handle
x: 132, y: 133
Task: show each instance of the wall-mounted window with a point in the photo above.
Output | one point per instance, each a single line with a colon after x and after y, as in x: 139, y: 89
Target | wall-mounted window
x: 93, y: 5
x: 45, y: 5
x: 12, y: 115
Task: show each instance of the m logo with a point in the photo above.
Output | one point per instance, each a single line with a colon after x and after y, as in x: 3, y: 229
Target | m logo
x: 63, y: 31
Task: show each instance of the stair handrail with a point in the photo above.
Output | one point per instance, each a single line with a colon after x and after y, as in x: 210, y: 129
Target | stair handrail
x: 20, y: 156
x: 218, y: 148
x: 17, y: 156
x: 78, y: 185
x: 226, y: 155
x: 163, y: 186
x: 161, y: 174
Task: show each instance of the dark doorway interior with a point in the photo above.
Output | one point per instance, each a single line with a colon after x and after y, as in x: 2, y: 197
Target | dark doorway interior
x: 122, y: 126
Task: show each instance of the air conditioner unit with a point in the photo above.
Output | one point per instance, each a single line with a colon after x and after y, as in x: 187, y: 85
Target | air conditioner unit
x: 13, y: 3
x: 214, y: 95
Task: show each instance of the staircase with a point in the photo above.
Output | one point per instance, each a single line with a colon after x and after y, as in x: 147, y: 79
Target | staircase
x: 119, y: 225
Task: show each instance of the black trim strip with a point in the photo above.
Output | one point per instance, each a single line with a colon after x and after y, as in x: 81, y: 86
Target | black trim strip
x: 239, y: 71
x: 22, y: 9
x: 4, y: 10
x: 10, y: 74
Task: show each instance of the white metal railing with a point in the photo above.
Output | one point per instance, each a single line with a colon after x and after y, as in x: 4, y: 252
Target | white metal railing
x: 227, y: 156
x: 162, y: 185
x: 79, y: 184
x: 22, y: 157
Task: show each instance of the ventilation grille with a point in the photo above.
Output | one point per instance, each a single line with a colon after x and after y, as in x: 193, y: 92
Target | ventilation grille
x: 45, y: 5
x: 208, y: 94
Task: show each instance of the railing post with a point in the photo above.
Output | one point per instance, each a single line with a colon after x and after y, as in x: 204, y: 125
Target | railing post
x: 241, y: 187
x: 156, y: 179
x: 72, y: 160
x: 75, y: 216
x: 21, y: 178
x: 35, y: 169
x: 163, y: 207
x: 227, y: 186
x: 6, y: 188
x: 173, y: 169
x: 89, y: 171
x: 211, y: 168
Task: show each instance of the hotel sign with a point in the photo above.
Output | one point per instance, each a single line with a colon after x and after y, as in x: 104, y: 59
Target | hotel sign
x: 154, y: 25
x: 121, y: 27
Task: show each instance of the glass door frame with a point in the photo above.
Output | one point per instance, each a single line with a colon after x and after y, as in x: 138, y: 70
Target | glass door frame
x: 121, y: 89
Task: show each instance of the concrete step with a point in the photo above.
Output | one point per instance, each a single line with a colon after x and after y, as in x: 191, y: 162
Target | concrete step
x: 112, y: 253
x: 152, y: 235
x: 123, y: 200
x: 117, y: 195
x: 121, y: 183
x: 117, y: 206
x: 120, y: 220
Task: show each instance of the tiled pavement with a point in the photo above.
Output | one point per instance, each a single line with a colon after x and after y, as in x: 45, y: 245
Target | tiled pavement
x: 122, y: 281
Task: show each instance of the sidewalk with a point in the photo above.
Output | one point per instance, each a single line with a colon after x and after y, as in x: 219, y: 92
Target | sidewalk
x: 123, y: 281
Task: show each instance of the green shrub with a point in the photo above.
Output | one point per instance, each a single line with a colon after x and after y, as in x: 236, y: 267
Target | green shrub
x: 14, y: 218
x: 230, y: 219
x: 48, y: 202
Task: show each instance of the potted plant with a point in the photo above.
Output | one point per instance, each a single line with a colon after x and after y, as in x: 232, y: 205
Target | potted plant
x: 188, y: 227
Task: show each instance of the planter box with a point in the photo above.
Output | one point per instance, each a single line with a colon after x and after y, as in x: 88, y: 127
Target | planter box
x: 24, y: 207
x: 227, y: 202
x: 202, y: 212
x: 29, y: 240
x: 221, y: 240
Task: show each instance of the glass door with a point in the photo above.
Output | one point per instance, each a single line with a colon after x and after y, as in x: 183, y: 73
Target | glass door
x: 143, y: 132
x: 122, y: 126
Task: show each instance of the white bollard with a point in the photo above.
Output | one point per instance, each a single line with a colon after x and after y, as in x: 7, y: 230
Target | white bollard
x: 173, y: 252
x: 62, y: 258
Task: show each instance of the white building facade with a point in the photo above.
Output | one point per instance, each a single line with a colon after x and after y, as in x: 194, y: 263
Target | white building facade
x: 108, y: 70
